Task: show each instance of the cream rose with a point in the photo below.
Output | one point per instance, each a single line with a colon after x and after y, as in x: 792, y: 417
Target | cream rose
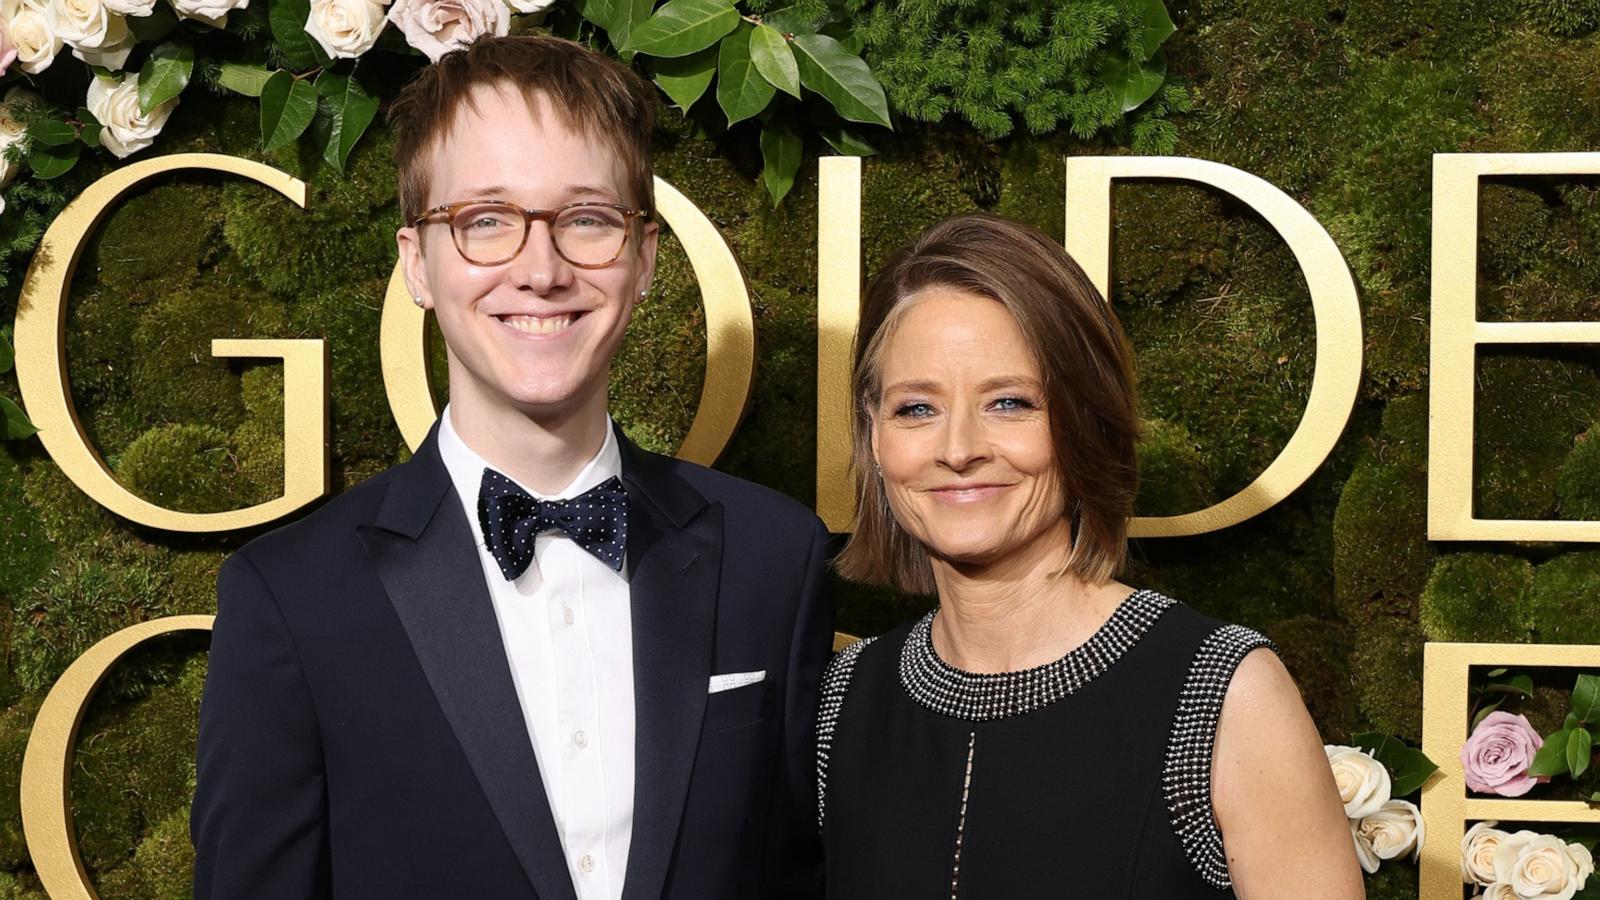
x: 1500, y: 890
x: 125, y: 130
x: 530, y: 6
x: 211, y: 12
x: 36, y: 41
x: 1583, y: 859
x: 1394, y: 830
x: 86, y: 24
x: 438, y: 26
x: 8, y: 47
x: 345, y: 28
x: 1363, y: 781
x: 131, y: 7
x: 1364, y: 852
x: 1477, y: 853
x: 12, y: 127
x: 1537, y: 865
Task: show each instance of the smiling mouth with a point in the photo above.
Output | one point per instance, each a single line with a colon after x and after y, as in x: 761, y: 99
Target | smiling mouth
x: 542, y: 325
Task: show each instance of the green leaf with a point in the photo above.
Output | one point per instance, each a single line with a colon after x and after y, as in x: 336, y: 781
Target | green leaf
x: 1570, y: 722
x: 165, y: 74
x: 351, y: 107
x: 842, y: 78
x: 90, y: 134
x: 1494, y: 673
x: 52, y: 133
x: 1132, y: 83
x: 1586, y: 699
x: 1484, y: 713
x: 626, y: 15
x: 288, y: 21
x: 17, y: 424
x: 52, y: 162
x: 1552, y: 757
x: 597, y: 11
x: 242, y: 78
x: 1521, y: 684
x: 850, y: 39
x: 161, y: 22
x: 789, y: 21
x: 1409, y: 768
x: 781, y: 150
x: 8, y: 357
x: 1580, y: 748
x: 685, y: 78
x: 847, y: 142
x: 287, y: 106
x: 774, y: 60
x: 741, y: 91
x: 1157, y: 26
x: 682, y: 27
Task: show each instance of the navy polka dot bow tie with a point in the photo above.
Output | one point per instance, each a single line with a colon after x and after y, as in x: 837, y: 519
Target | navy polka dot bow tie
x: 596, y: 520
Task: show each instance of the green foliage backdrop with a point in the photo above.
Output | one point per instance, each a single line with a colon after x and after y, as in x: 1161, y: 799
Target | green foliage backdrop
x: 1339, y: 102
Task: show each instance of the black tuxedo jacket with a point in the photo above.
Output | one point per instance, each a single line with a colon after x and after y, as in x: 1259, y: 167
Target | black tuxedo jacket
x: 360, y: 735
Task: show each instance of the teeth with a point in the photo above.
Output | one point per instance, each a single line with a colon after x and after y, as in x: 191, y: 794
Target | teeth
x: 539, y: 324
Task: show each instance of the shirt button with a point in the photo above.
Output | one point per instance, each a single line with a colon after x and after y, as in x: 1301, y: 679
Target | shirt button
x: 581, y: 738
x: 586, y: 864
x: 566, y: 615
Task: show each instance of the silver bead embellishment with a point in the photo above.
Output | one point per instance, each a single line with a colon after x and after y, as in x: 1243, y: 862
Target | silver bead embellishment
x: 983, y: 697
x: 830, y: 702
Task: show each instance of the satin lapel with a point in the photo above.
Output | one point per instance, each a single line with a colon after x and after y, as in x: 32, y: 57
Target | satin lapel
x: 423, y: 550
x: 673, y: 590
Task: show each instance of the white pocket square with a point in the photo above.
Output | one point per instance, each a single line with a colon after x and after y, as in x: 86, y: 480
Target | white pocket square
x: 728, y: 682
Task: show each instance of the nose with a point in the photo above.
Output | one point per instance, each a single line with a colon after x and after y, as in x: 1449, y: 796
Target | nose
x: 538, y: 267
x: 966, y: 442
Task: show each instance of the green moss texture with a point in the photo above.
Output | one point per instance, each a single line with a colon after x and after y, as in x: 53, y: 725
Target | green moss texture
x: 1341, y: 104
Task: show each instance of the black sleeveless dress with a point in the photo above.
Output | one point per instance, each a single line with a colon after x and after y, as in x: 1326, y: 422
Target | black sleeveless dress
x: 1088, y: 777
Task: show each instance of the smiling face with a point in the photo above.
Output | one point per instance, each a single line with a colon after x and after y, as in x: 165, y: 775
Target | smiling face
x: 962, y: 435
x: 535, y: 335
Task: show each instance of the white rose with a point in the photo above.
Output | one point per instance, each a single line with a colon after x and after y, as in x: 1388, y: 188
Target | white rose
x: 37, y: 42
x: 1500, y: 890
x: 1477, y: 853
x: 12, y: 129
x: 111, y: 56
x: 131, y: 7
x: 530, y: 6
x: 438, y: 26
x: 1363, y: 781
x: 345, y: 28
x: 211, y: 12
x: 86, y: 24
x: 1364, y: 852
x: 1537, y: 866
x: 125, y: 129
x: 1394, y: 830
x: 1583, y: 859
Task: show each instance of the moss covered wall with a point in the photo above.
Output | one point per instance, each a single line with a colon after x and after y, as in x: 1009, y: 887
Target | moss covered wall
x: 1339, y: 102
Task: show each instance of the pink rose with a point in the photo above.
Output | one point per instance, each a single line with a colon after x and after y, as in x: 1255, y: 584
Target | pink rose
x: 8, y: 47
x: 1497, y: 755
x: 437, y: 27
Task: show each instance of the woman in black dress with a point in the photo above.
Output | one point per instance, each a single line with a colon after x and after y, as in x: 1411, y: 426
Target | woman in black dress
x: 1048, y: 731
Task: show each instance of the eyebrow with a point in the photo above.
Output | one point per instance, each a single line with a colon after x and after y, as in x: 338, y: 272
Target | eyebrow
x: 491, y: 191
x: 992, y: 384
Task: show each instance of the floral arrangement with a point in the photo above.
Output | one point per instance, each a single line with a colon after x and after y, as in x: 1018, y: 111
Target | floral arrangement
x: 1522, y: 865
x: 1372, y: 777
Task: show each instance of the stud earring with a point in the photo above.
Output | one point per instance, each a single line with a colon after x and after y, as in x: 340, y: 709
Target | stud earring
x: 417, y: 299
x: 643, y: 295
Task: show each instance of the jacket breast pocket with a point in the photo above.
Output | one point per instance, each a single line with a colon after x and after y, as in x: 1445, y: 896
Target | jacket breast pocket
x: 736, y: 707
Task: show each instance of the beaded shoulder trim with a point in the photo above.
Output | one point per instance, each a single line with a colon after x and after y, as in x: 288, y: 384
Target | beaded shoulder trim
x: 830, y: 702
x: 1186, y: 777
x: 981, y: 697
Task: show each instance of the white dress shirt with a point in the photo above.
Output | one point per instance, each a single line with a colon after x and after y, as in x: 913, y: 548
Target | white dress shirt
x: 568, y: 634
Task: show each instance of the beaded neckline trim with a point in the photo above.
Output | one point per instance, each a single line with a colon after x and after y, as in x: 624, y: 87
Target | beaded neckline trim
x: 982, y: 696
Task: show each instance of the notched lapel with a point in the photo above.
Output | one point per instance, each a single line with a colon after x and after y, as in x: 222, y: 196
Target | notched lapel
x: 435, y: 582
x: 673, y: 596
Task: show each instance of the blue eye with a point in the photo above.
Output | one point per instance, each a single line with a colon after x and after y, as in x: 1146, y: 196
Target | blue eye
x: 1012, y: 404
x: 914, y: 411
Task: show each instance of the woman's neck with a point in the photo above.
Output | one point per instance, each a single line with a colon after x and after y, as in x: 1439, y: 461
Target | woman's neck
x: 1018, y: 612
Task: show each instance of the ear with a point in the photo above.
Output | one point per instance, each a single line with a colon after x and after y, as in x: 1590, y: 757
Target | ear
x: 409, y: 242
x: 649, y: 240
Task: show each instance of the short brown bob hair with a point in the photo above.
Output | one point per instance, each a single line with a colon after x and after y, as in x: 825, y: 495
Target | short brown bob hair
x: 592, y: 94
x: 1087, y: 367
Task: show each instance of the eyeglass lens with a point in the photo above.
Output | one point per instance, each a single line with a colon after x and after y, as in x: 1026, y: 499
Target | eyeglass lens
x: 490, y: 233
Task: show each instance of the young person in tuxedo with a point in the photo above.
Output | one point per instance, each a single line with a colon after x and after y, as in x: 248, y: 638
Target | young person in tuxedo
x: 534, y: 661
